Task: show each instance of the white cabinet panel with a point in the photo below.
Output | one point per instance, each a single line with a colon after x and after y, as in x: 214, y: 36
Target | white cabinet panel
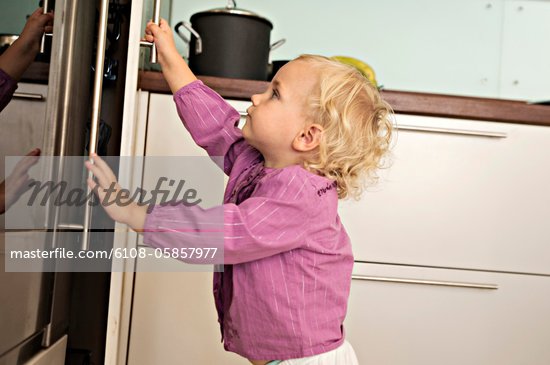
x: 398, y: 323
x: 460, y: 201
x: 166, y: 135
x: 174, y: 319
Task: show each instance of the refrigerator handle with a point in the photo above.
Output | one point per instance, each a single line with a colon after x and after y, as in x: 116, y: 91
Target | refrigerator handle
x: 156, y: 20
x: 96, y: 108
x: 43, y: 41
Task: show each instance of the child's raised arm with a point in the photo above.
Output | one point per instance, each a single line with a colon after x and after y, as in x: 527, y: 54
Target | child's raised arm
x: 175, y: 70
x: 210, y: 120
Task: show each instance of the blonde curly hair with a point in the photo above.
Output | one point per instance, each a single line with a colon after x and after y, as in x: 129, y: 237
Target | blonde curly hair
x: 357, y: 124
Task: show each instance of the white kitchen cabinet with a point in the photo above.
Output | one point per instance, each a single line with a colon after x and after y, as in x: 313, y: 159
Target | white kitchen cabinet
x: 174, y: 319
x: 449, y: 200
x: 395, y: 318
x: 460, y: 194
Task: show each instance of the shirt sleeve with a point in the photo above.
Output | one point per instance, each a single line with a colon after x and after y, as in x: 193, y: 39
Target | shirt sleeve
x: 7, y: 88
x: 257, y: 228
x: 211, y: 121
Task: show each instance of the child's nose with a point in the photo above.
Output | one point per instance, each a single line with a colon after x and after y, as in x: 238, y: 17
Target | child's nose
x: 255, y: 99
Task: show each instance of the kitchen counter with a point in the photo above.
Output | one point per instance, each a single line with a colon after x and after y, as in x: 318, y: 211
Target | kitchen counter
x: 438, y: 105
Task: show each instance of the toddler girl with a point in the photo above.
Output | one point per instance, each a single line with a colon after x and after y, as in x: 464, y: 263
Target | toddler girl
x: 308, y: 141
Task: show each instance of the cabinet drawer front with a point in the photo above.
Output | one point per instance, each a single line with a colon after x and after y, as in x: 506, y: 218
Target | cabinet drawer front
x: 405, y: 321
x: 463, y: 194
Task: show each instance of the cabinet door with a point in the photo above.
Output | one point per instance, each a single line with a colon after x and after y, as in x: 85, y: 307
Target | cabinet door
x: 166, y: 135
x: 174, y: 319
x: 421, y: 316
x: 462, y: 194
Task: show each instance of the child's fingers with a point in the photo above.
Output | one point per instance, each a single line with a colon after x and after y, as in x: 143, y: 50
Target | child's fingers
x: 153, y: 28
x: 104, y: 167
x: 163, y: 24
x: 104, y: 182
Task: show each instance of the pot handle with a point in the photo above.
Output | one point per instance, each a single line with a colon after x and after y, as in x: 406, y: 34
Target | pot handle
x: 187, y: 25
x: 181, y: 35
x: 276, y: 45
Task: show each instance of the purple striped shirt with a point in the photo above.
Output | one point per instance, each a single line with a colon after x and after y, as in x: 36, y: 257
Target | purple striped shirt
x: 7, y: 88
x: 284, y: 289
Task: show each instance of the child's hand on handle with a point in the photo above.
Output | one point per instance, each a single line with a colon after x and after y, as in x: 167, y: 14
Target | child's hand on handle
x: 161, y: 35
x: 175, y: 70
x: 118, y: 207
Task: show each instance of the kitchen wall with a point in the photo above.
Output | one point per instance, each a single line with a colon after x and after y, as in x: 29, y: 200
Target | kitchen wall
x: 13, y: 14
x: 487, y: 48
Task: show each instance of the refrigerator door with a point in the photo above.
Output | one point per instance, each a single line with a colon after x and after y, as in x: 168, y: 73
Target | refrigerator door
x: 36, y: 306
x: 54, y: 355
x: 67, y: 113
x: 25, y: 299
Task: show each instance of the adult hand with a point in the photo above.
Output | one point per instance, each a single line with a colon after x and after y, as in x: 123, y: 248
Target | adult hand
x: 36, y: 25
x: 18, y: 57
x: 18, y: 181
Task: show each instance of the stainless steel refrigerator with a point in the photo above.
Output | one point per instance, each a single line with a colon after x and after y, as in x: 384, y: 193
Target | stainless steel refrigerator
x: 37, y: 309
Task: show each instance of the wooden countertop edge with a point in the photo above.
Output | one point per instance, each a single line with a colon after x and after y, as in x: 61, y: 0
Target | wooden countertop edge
x: 404, y: 102
x: 438, y: 105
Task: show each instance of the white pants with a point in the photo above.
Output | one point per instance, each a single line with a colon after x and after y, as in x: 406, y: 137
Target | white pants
x: 343, y: 355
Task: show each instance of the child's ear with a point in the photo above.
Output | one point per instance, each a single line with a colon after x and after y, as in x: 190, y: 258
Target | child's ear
x: 309, y: 138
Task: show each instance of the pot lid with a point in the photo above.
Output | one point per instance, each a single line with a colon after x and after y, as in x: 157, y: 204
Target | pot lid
x: 231, y: 8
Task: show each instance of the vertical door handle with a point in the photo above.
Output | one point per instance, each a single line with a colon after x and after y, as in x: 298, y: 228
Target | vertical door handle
x: 96, y: 108
x: 43, y: 41
x: 156, y: 20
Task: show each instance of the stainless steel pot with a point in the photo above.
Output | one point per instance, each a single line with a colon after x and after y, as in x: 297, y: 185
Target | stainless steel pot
x: 229, y: 42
